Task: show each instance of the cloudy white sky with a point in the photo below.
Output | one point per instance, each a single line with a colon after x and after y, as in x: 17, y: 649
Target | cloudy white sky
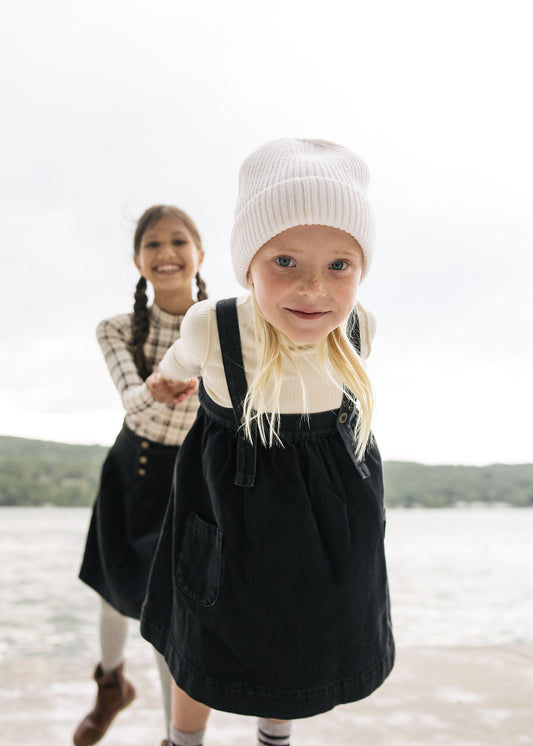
x: 114, y: 105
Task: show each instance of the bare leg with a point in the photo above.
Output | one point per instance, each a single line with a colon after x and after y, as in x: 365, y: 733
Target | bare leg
x: 188, y: 715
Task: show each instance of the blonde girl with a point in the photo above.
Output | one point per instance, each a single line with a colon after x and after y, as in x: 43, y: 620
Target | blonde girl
x: 268, y: 592
x: 137, y: 473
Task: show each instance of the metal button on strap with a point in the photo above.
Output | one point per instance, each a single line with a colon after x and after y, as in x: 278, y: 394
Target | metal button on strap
x: 343, y: 417
x: 141, y: 472
x: 145, y: 444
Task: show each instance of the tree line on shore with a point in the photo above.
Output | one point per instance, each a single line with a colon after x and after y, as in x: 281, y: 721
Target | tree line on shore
x: 36, y: 473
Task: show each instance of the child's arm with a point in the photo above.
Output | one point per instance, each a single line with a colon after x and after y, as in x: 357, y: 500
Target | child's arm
x: 177, y: 374
x: 114, y: 338
x: 170, y: 392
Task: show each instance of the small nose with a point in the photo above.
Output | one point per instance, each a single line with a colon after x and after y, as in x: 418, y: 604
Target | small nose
x: 166, y: 248
x: 312, y: 283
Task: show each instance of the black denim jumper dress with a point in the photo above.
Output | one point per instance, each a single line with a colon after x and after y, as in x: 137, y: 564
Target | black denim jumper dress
x: 268, y: 594
x: 126, y: 520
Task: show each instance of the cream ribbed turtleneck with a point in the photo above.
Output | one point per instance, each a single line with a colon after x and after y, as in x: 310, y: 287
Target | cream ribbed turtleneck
x: 197, y: 353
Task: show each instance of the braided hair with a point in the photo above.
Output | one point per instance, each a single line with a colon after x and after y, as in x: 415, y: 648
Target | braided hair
x: 200, y: 284
x: 140, y: 324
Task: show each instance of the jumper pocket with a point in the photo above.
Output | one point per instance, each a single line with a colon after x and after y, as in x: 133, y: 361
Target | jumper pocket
x: 200, y: 561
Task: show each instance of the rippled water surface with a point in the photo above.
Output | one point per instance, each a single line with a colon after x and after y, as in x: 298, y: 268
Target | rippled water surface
x: 458, y: 577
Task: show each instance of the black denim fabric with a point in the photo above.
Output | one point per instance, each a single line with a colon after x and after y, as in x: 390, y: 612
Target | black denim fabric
x: 268, y: 594
x: 126, y: 520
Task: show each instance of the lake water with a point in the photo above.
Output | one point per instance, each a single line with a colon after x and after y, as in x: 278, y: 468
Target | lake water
x: 457, y: 577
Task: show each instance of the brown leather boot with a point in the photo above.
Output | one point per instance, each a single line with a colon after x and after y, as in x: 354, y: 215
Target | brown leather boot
x: 114, y: 694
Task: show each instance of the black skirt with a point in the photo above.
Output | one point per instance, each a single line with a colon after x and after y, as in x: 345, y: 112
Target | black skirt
x: 268, y: 595
x: 126, y: 521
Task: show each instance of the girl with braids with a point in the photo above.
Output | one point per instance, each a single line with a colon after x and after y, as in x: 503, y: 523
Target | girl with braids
x: 268, y: 593
x: 137, y: 473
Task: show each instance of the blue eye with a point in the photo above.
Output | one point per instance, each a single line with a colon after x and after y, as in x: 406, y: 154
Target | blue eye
x: 284, y: 261
x: 339, y: 264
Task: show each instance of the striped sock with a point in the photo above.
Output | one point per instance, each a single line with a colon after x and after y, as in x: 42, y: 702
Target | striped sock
x: 179, y: 738
x: 273, y: 734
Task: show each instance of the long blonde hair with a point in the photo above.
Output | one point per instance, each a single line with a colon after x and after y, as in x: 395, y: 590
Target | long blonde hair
x: 261, y: 405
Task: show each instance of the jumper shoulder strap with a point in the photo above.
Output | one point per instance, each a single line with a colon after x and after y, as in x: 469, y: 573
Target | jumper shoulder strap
x: 231, y: 350
x: 347, y: 412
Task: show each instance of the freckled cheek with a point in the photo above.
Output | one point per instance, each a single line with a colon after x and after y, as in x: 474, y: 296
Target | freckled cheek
x: 266, y: 284
x: 347, y: 288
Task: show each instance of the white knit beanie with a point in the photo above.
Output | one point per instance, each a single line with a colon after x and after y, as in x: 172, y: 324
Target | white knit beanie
x: 286, y: 183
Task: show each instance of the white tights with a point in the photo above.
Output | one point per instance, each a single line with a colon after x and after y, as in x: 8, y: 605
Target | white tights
x: 113, y: 634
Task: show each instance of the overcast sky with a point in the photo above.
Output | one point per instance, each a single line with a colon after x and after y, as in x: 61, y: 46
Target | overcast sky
x: 110, y: 107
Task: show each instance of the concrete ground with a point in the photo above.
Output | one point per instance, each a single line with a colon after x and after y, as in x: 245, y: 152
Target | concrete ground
x: 434, y: 697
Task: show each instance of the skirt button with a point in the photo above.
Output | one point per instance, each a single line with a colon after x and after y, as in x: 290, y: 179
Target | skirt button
x: 141, y: 472
x: 145, y: 444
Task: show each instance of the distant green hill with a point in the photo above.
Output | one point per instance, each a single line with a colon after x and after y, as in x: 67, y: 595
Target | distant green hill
x: 37, y: 472
x: 408, y: 484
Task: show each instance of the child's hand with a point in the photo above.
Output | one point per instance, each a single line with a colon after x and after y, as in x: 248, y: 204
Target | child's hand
x: 183, y: 389
x: 170, y: 392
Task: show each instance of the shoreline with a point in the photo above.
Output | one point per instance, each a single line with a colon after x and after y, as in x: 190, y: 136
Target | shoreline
x: 443, y: 696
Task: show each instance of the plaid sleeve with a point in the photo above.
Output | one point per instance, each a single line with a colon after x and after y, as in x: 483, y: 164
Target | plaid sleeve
x: 114, y: 337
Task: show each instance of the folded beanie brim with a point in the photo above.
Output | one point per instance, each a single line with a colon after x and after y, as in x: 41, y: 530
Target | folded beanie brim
x: 301, y: 201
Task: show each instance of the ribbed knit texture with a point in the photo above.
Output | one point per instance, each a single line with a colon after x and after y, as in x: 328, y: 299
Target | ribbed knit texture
x: 286, y: 183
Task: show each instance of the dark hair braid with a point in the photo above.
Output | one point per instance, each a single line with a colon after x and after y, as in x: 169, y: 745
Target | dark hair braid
x: 140, y: 326
x: 200, y: 284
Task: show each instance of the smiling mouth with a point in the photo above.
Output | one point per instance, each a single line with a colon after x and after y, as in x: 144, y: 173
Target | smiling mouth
x: 168, y: 269
x: 307, y: 315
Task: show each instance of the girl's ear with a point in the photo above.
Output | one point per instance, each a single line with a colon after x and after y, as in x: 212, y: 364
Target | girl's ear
x: 137, y: 262
x: 201, y: 255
